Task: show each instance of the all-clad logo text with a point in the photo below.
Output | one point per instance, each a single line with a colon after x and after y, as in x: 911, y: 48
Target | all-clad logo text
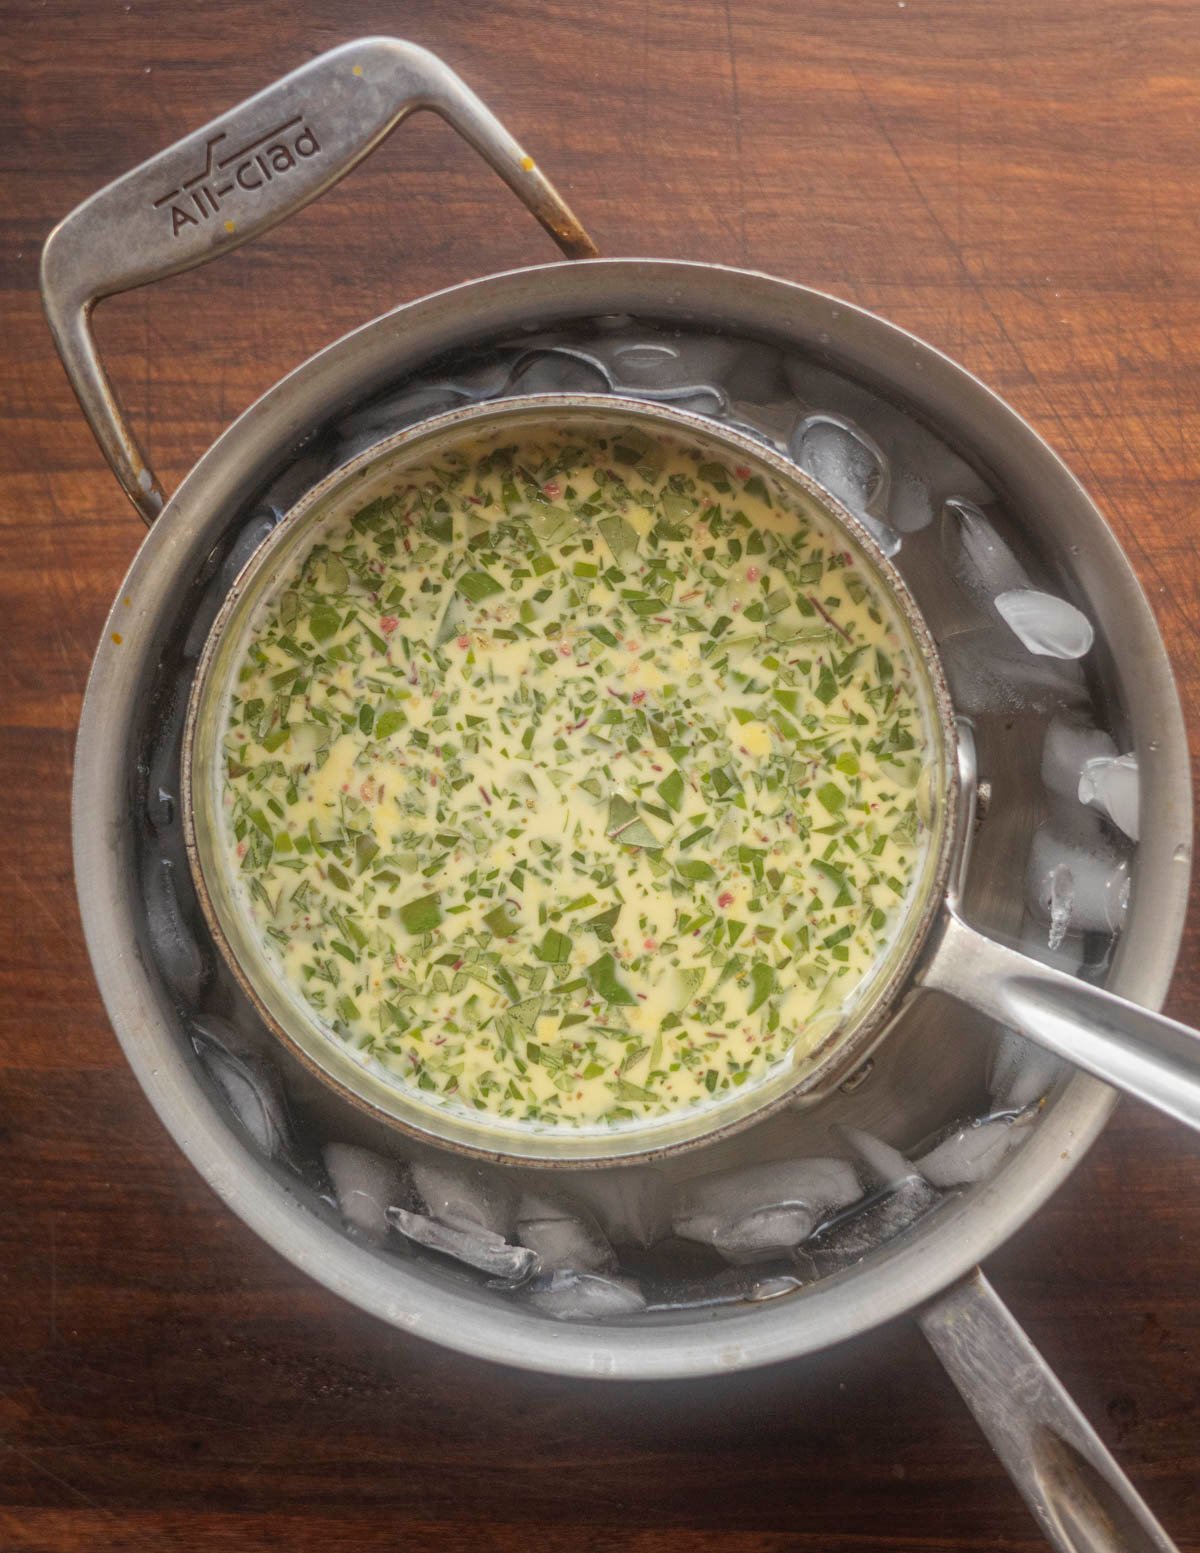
x: 251, y: 167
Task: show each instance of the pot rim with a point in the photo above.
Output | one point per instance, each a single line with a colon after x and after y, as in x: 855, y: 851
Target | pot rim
x: 901, y: 1275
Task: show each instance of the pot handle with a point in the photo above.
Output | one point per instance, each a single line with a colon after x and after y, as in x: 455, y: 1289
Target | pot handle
x: 1131, y: 1047
x: 237, y: 177
x: 1080, y: 1497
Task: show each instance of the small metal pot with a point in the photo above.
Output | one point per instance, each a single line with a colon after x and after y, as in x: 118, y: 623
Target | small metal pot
x: 212, y: 191
x: 1129, y: 1046
x: 290, y: 1016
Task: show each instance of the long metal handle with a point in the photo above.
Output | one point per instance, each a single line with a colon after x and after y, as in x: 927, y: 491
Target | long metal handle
x: 238, y: 176
x: 1139, y: 1051
x: 1082, y: 1500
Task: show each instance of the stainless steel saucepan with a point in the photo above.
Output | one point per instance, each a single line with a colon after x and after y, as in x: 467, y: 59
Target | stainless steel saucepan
x: 1131, y: 1047
x: 234, y: 179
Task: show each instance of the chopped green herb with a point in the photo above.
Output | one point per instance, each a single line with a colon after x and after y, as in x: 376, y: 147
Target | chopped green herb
x: 571, y: 778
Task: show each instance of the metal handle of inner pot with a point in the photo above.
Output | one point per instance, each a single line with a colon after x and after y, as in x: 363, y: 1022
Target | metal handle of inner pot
x: 237, y: 177
x: 1131, y: 1047
x: 1141, y: 1052
x: 1080, y: 1497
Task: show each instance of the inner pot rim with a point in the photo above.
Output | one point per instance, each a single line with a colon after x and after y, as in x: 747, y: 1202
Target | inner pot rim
x: 323, y: 1054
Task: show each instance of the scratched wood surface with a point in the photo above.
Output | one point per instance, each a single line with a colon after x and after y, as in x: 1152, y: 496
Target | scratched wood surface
x: 1016, y: 182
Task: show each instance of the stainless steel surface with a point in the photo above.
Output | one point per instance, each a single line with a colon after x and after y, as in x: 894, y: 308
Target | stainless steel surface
x: 1144, y: 1053
x: 239, y: 176
x: 289, y: 1015
x: 902, y: 1274
x: 1082, y: 1500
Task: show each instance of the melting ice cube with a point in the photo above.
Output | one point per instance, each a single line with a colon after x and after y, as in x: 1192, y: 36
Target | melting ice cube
x: 366, y: 1185
x: 1077, y: 881
x: 1060, y: 901
x: 632, y: 1203
x: 730, y: 1286
x: 852, y: 467
x: 564, y: 1233
x: 982, y: 563
x: 1110, y: 783
x: 570, y: 1296
x: 478, y: 1248
x: 558, y: 369
x: 1046, y: 625
x: 1070, y: 744
x: 464, y: 1196
x: 882, y: 1165
x: 851, y: 1236
x: 970, y: 1152
x: 175, y: 947
x: 249, y: 1082
x: 393, y: 411
x: 1021, y: 1072
x: 902, y: 1196
x: 990, y: 671
x: 757, y: 1212
x: 685, y: 372
x: 924, y: 470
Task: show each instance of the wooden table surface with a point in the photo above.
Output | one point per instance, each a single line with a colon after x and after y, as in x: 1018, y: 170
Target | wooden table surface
x: 1016, y: 182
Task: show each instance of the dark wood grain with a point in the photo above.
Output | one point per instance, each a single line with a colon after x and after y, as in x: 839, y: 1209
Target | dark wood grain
x: 1014, y: 181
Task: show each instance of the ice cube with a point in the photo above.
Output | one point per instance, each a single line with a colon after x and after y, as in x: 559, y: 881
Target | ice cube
x: 631, y: 1202
x: 1060, y: 901
x: 175, y: 947
x: 314, y: 458
x: 563, y: 1232
x: 226, y: 567
x: 924, y: 470
x: 465, y: 1197
x: 1046, y: 625
x: 990, y: 671
x: 709, y: 374
x: 478, y: 1248
x: 754, y: 374
x: 684, y: 372
x: 162, y: 766
x: 759, y: 1211
x: 982, y: 563
x: 644, y: 361
x: 249, y: 1081
x: 1070, y: 744
x: 901, y: 1195
x: 1110, y: 783
x: 565, y: 1295
x: 1021, y: 1072
x: 391, y: 412
x: 559, y: 370
x: 881, y: 1165
x: 851, y: 1236
x: 730, y: 1286
x: 254, y: 533
x: 971, y: 1152
x: 910, y: 507
x: 840, y: 456
x: 1076, y: 880
x: 359, y: 432
x: 366, y: 1186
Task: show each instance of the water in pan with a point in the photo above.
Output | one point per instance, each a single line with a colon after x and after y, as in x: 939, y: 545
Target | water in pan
x: 807, y: 1192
